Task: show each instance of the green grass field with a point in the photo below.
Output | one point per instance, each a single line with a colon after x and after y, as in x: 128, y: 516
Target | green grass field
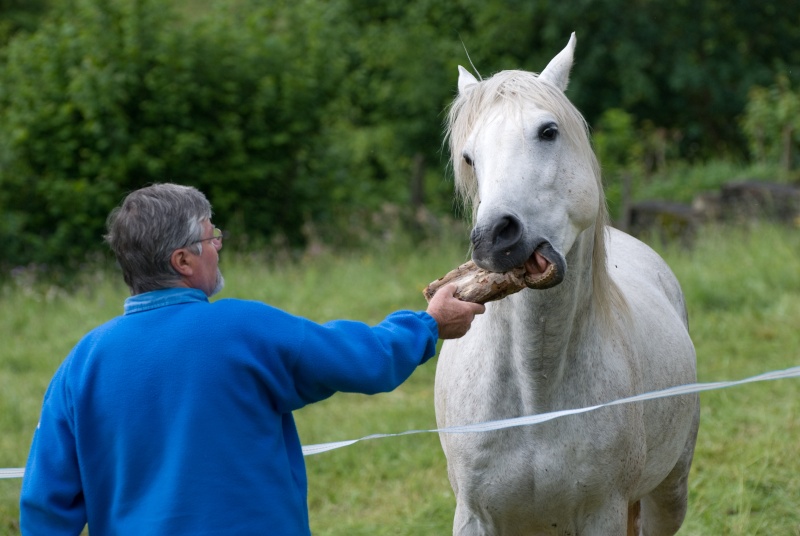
x: 743, y: 291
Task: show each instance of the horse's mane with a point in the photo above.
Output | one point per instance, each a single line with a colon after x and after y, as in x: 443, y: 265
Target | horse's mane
x: 515, y: 89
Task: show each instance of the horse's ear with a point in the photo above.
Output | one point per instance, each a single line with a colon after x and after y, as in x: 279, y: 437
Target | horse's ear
x: 465, y: 80
x: 557, y: 71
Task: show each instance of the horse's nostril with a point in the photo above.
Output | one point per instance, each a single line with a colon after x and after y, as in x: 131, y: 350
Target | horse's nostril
x: 499, y: 246
x: 506, y: 232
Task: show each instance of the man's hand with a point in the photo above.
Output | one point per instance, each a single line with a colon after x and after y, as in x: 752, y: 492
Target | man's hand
x: 453, y: 316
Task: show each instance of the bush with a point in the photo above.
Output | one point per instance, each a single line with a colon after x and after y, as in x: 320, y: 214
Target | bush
x: 620, y: 153
x: 19, y: 15
x: 771, y: 122
x: 111, y: 95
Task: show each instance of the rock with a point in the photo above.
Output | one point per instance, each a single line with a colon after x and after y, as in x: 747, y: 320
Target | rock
x: 751, y: 200
x: 666, y: 220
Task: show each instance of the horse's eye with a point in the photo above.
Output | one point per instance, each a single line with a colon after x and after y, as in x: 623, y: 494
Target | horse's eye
x: 548, y: 132
x: 467, y: 159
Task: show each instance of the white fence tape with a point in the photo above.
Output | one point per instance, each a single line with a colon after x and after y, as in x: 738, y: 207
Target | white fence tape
x: 536, y: 419
x: 530, y: 419
x: 12, y: 473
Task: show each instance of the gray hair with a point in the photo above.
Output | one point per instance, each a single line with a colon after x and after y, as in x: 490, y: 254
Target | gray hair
x: 148, y: 226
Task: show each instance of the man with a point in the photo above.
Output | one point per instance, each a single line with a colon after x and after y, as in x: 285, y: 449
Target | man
x: 176, y: 417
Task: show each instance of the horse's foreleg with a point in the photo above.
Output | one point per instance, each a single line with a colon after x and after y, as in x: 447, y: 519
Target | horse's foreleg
x: 610, y: 520
x: 634, y: 520
x: 664, y: 508
x: 466, y: 523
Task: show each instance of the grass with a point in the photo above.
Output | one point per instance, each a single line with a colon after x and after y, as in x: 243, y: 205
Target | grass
x: 743, y: 292
x: 681, y: 182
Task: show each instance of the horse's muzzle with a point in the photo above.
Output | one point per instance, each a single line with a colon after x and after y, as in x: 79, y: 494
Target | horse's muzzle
x: 503, y: 246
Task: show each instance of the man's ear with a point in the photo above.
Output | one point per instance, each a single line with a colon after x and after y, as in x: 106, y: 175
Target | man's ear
x: 182, y: 262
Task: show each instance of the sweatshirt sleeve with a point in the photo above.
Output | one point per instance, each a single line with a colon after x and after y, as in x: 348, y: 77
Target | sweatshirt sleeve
x: 354, y: 357
x: 51, y: 500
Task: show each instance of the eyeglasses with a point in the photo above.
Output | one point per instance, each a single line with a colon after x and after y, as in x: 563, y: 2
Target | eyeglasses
x: 216, y: 239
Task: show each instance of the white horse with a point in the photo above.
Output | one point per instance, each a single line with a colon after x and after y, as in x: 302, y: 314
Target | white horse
x: 606, y: 319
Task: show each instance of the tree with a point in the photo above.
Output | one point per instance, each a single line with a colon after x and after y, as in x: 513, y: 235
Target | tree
x: 16, y: 15
x: 771, y: 122
x: 112, y: 95
x: 679, y: 64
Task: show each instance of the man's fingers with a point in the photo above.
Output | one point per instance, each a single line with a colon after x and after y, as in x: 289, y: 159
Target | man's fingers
x: 453, y: 316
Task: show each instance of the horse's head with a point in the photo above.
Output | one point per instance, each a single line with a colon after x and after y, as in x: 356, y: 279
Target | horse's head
x: 522, y: 158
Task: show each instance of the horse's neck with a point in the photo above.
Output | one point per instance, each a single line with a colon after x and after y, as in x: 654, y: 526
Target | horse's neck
x: 547, y: 324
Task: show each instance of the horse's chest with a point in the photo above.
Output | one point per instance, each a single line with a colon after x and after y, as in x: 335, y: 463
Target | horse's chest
x: 548, y: 470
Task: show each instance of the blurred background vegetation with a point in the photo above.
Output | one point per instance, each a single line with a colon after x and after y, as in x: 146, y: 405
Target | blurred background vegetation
x: 320, y: 121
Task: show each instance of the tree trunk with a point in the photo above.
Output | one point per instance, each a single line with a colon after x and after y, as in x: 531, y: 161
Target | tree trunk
x: 786, y: 152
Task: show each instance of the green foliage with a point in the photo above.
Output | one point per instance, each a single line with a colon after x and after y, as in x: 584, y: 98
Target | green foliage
x: 616, y: 141
x: 620, y: 152
x: 384, y: 127
x: 286, y: 113
x: 681, y: 182
x: 771, y: 122
x: 731, y: 276
x: 681, y: 64
x: 110, y: 96
x: 20, y: 15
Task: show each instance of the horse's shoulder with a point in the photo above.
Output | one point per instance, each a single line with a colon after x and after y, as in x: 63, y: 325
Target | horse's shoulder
x: 637, y: 268
x: 634, y: 257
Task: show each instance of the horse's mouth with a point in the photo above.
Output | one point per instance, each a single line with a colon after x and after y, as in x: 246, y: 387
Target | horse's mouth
x: 542, y: 269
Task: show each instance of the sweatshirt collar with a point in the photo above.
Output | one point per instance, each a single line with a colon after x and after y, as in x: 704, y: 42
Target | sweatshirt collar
x: 162, y: 298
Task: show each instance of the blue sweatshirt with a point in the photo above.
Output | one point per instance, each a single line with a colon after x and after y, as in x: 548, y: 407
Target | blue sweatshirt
x: 176, y: 417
